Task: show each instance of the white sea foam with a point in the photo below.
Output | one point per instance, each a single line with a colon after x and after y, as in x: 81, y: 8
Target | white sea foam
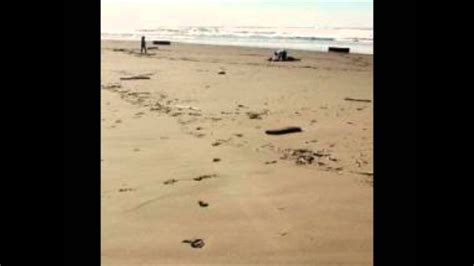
x: 360, y: 40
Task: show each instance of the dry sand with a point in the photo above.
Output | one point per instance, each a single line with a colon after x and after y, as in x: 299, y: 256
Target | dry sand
x: 263, y: 207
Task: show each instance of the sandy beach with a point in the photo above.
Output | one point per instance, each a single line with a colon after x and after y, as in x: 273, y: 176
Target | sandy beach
x: 185, y: 156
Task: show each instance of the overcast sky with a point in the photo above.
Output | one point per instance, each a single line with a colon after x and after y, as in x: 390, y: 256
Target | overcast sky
x: 125, y: 15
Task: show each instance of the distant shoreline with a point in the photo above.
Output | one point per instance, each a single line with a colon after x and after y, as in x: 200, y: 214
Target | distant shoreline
x: 230, y: 45
x: 359, y: 40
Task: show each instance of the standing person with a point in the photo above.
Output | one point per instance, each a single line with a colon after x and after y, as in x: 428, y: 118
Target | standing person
x: 143, y: 46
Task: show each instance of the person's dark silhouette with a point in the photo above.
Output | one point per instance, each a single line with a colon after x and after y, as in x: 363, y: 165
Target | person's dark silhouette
x: 143, y: 46
x: 281, y: 55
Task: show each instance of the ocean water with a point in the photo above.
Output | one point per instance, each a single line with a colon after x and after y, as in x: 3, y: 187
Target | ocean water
x: 359, y: 40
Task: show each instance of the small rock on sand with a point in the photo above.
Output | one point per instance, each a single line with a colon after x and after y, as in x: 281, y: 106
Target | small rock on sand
x: 203, y: 204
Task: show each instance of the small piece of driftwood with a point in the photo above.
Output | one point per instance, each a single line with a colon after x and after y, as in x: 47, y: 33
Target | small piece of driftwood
x: 134, y: 77
x: 357, y: 100
x: 281, y: 131
x: 195, y: 243
x: 366, y: 173
x: 199, y: 178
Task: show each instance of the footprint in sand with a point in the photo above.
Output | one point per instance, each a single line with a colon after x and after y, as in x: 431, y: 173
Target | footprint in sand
x: 200, y: 135
x: 170, y: 181
x: 136, y: 149
x: 194, y: 114
x: 118, y: 121
x: 214, y: 119
x: 361, y: 162
x: 126, y: 190
x: 334, y: 169
x: 271, y: 162
x: 221, y: 141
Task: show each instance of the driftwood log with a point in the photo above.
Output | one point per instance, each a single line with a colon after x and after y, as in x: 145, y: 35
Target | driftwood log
x: 282, y: 131
x: 357, y: 100
x: 162, y: 42
x: 287, y: 59
x: 339, y: 49
x: 134, y: 77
